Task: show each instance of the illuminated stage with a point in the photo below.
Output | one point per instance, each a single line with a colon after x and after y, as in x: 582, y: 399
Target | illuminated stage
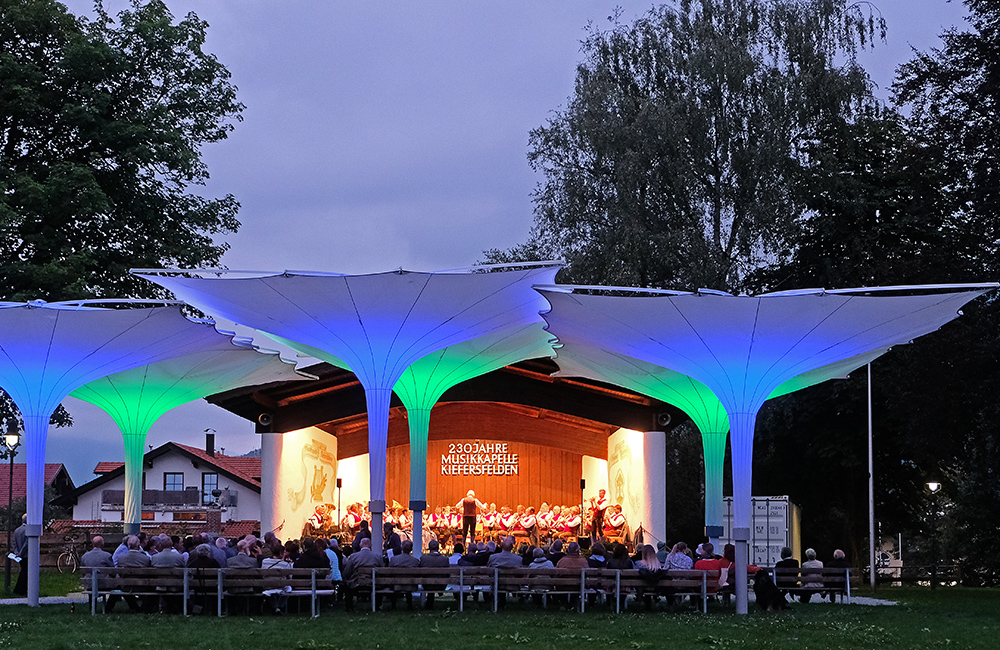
x: 515, y: 436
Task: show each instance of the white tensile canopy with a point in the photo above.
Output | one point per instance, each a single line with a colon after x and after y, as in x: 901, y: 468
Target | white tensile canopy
x: 48, y: 350
x: 743, y: 348
x: 576, y: 359
x: 377, y: 325
x: 135, y: 399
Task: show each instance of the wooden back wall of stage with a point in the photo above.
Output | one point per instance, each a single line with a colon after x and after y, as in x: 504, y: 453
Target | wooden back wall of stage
x: 549, y: 445
x: 544, y: 473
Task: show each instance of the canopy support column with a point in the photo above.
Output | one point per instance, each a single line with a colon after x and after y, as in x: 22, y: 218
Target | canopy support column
x: 135, y: 444
x: 36, y: 431
x: 742, y: 429
x: 378, y: 400
x: 714, y: 448
x: 420, y: 424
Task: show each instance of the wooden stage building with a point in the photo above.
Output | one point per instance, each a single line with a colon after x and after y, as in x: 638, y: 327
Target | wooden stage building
x: 515, y: 436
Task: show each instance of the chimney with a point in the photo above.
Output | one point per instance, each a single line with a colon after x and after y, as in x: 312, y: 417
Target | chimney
x: 210, y: 444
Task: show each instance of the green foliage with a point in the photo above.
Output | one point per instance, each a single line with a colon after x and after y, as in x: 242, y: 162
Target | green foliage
x: 101, y: 129
x: 954, y: 97
x: 50, y: 512
x: 677, y: 160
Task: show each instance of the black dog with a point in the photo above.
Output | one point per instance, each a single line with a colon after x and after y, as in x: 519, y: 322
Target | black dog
x: 769, y: 597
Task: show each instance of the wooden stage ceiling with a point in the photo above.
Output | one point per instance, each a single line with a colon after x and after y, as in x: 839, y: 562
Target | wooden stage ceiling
x: 543, y: 406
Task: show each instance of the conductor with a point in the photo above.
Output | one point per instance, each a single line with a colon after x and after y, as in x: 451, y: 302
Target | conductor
x: 469, y: 505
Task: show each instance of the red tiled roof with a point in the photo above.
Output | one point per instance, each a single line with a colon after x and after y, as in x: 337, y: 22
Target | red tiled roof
x: 106, y: 466
x: 235, y: 529
x: 239, y: 528
x: 51, y: 470
x: 245, y: 467
x: 63, y: 526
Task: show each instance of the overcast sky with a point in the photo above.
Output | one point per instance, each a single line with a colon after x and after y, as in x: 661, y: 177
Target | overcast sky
x: 387, y: 134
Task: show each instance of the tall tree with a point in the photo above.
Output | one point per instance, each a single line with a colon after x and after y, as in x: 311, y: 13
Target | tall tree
x: 953, y: 94
x: 101, y: 128
x: 676, y: 160
x: 915, y: 202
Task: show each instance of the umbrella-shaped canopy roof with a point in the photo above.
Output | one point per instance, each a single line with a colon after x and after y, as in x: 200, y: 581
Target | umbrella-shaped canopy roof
x: 136, y: 398
x: 744, y: 348
x: 47, y: 350
x: 376, y: 324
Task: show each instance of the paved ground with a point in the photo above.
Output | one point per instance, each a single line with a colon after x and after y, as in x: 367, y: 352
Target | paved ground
x: 48, y: 600
x: 82, y: 598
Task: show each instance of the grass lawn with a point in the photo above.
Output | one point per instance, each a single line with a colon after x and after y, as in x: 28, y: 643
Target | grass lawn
x: 52, y: 583
x: 953, y: 617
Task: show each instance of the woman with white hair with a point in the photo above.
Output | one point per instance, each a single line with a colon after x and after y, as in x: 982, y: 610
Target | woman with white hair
x: 815, y: 584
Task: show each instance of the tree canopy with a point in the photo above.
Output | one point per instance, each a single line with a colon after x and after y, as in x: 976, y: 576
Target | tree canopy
x: 737, y: 145
x: 677, y: 159
x: 101, y: 128
x: 102, y: 123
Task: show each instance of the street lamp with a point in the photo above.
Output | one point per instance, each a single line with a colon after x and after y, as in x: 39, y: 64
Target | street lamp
x: 11, y: 441
x: 934, y: 487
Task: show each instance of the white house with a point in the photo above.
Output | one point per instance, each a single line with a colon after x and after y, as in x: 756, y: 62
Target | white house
x: 181, y: 484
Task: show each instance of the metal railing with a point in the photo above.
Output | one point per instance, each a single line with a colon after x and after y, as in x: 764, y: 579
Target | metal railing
x: 172, y: 498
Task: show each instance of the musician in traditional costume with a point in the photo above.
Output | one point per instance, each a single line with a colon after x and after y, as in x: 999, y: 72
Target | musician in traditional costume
x: 614, y: 524
x: 598, y: 506
x: 570, y: 526
x: 505, y: 522
x: 529, y: 522
x: 488, y: 521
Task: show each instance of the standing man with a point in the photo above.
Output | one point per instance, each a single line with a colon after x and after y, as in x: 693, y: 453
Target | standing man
x: 600, y: 504
x: 19, y: 546
x: 469, y: 505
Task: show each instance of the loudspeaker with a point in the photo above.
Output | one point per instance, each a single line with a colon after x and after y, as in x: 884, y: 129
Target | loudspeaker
x: 265, y: 419
x: 662, y: 419
x: 583, y: 484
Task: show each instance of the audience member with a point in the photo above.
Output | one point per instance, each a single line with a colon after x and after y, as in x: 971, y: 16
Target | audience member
x: 814, y: 585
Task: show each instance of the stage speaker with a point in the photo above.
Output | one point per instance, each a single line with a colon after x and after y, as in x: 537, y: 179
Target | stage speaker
x: 662, y: 419
x: 265, y: 419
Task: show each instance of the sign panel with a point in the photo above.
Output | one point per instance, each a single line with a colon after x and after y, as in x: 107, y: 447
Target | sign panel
x: 479, y: 459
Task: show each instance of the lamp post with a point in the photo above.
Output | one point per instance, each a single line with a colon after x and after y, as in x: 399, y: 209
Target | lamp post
x: 11, y: 441
x: 934, y: 487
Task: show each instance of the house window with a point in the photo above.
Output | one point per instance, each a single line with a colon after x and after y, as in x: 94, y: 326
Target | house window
x: 189, y: 516
x: 209, y: 482
x: 173, y: 481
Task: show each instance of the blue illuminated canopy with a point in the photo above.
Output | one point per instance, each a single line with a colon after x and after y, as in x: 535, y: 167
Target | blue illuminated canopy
x: 47, y: 350
x: 377, y: 325
x: 744, y: 348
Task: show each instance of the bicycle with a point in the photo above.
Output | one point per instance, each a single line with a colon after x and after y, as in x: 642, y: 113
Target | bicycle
x: 68, y: 561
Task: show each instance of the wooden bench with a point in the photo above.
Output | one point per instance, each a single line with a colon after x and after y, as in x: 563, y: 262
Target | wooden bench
x: 543, y: 583
x: 213, y: 586
x: 698, y: 584
x: 460, y: 580
x: 216, y: 584
x: 839, y: 582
